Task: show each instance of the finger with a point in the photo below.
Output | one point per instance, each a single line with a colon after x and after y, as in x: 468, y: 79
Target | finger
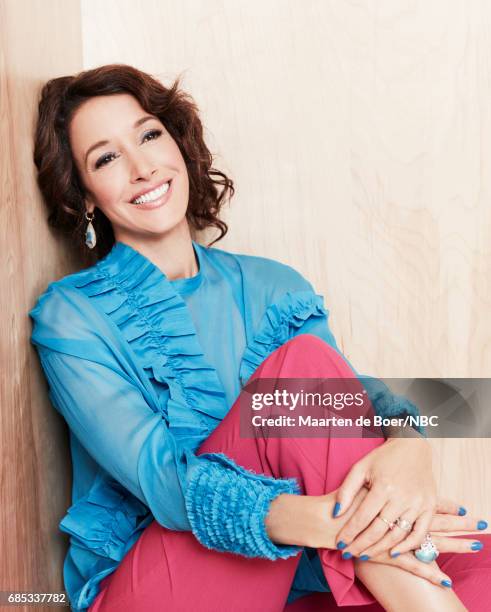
x: 414, y: 539
x: 457, y: 545
x: 377, y: 532
x: 353, y: 482
x: 390, y: 539
x: 364, y: 515
x: 447, y: 506
x: 429, y: 571
x: 448, y: 522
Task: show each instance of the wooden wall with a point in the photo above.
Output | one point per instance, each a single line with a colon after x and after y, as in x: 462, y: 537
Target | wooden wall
x: 38, y: 40
x: 359, y: 138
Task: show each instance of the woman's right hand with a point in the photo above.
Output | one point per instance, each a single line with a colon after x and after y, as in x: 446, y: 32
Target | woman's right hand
x: 446, y: 520
x: 307, y: 521
x: 407, y: 561
x: 430, y: 571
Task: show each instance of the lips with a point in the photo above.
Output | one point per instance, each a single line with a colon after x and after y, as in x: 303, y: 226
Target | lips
x: 150, y: 190
x: 157, y: 202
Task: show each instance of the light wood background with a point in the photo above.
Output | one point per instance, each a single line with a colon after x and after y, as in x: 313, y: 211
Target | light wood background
x: 38, y: 40
x: 358, y: 135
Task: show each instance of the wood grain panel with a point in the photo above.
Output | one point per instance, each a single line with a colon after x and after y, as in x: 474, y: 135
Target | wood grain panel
x: 39, y: 39
x: 358, y: 135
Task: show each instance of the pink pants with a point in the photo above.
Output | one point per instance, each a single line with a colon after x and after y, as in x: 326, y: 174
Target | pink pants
x: 171, y: 571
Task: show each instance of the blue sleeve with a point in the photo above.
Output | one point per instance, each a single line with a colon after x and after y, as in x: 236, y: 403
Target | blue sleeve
x: 384, y: 402
x: 223, y: 504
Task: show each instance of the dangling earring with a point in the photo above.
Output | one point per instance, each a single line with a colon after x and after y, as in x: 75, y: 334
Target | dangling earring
x: 90, y: 237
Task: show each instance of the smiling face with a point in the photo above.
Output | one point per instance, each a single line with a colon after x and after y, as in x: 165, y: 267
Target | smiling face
x: 125, y: 157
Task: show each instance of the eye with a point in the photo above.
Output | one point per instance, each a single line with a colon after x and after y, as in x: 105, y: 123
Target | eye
x: 104, y: 159
x: 151, y: 135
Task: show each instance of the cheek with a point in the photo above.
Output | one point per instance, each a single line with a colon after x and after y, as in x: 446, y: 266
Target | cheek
x: 109, y: 187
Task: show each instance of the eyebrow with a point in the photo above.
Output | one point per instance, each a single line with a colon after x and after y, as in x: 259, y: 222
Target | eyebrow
x: 102, y: 143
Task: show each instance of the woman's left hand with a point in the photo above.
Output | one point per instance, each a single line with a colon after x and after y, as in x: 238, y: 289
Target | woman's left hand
x: 401, y: 484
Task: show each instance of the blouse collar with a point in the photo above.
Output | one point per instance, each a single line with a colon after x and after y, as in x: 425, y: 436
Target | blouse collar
x: 121, y: 254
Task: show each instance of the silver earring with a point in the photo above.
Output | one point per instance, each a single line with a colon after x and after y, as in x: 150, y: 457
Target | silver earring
x: 90, y: 237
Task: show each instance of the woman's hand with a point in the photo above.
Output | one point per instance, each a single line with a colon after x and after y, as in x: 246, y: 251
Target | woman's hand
x: 306, y: 520
x: 407, y: 561
x: 401, y: 484
x: 430, y: 571
x: 448, y: 519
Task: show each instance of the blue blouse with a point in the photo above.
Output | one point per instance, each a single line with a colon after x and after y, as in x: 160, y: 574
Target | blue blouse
x: 143, y: 368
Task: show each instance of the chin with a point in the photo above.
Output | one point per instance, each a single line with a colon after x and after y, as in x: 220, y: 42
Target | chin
x: 160, y: 228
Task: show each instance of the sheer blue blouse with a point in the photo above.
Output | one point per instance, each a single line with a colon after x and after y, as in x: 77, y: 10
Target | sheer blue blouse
x: 143, y: 368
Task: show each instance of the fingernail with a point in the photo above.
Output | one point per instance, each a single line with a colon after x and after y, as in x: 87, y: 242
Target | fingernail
x: 346, y: 555
x: 395, y: 554
x: 340, y: 545
x: 447, y: 583
x: 462, y: 511
x: 476, y: 545
x: 364, y: 558
x: 482, y: 525
x: 337, y: 508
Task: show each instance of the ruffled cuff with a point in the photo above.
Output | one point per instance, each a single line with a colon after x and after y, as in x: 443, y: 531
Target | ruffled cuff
x: 227, y: 508
x: 387, y: 404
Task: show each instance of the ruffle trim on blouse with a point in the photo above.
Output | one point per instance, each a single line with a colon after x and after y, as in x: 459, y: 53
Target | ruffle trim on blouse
x: 104, y: 520
x: 155, y: 321
x: 278, y: 325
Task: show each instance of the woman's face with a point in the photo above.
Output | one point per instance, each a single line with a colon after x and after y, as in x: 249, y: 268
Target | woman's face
x: 125, y: 157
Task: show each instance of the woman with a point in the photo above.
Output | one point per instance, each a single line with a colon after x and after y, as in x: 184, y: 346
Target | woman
x: 145, y: 352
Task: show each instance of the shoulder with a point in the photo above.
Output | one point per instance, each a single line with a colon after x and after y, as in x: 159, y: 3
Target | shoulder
x: 271, y: 275
x: 59, y: 291
x: 62, y: 309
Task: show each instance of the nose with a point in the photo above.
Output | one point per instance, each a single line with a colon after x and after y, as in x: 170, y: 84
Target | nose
x: 142, y: 168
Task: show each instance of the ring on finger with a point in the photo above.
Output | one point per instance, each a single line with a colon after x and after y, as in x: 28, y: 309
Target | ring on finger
x: 427, y: 552
x: 404, y: 524
x: 387, y: 522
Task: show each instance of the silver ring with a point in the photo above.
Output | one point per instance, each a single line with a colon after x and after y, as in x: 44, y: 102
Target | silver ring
x: 387, y: 522
x: 404, y: 524
x: 427, y: 552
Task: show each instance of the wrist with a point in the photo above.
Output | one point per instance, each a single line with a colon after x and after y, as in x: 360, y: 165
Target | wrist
x: 306, y: 520
x: 287, y: 519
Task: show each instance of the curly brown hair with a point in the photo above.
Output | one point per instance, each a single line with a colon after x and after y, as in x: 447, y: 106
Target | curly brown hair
x: 58, y: 178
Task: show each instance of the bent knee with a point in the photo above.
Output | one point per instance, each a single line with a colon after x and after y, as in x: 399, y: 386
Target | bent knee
x: 309, y: 343
x: 319, y: 354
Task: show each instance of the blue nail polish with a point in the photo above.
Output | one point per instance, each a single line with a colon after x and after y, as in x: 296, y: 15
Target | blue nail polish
x: 346, y: 555
x: 462, y: 511
x: 447, y: 583
x: 340, y: 545
x: 364, y: 558
x: 482, y: 525
x: 476, y: 545
x: 394, y: 555
x: 337, y: 508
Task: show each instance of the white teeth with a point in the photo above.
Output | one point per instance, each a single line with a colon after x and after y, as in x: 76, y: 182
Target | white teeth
x: 152, y: 195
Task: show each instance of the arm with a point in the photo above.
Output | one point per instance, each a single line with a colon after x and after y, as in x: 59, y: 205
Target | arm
x: 400, y: 471
x: 110, y: 418
x: 93, y: 384
x: 385, y: 403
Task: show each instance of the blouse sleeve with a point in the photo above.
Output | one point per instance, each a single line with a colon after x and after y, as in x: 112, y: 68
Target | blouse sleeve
x: 385, y: 403
x: 222, y: 503
x: 297, y: 309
